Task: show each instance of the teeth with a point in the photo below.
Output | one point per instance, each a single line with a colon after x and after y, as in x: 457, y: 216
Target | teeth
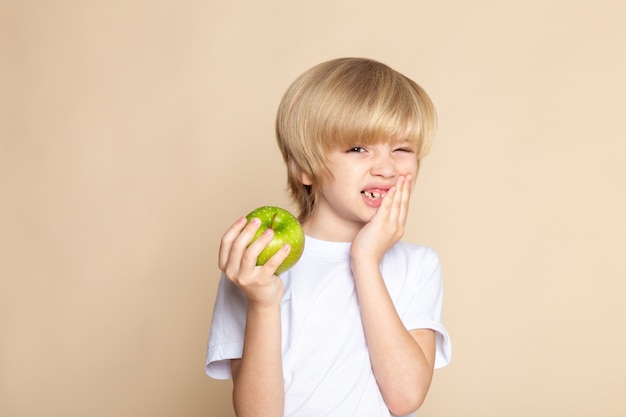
x: 371, y: 194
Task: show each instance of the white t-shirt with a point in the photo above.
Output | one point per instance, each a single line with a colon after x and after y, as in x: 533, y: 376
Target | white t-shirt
x: 326, y: 365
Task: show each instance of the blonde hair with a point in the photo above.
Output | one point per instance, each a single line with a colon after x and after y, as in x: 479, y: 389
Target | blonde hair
x: 341, y: 103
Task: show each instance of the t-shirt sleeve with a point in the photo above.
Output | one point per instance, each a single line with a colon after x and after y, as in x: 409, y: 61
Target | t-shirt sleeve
x: 227, y: 330
x: 421, y: 302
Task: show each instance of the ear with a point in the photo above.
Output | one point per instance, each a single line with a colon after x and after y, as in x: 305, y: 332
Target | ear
x: 305, y: 178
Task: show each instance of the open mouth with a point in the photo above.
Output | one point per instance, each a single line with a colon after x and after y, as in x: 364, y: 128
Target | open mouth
x: 373, y: 194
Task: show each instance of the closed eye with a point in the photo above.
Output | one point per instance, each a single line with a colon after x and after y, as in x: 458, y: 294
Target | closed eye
x: 409, y: 150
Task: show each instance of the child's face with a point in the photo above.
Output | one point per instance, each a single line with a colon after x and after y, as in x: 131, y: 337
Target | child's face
x: 362, y: 175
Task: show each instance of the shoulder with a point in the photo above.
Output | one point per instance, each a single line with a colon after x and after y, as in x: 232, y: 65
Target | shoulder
x: 416, y: 263
x: 413, y: 276
x: 413, y: 254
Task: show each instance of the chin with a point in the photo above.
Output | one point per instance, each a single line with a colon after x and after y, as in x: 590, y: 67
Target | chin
x: 366, y: 217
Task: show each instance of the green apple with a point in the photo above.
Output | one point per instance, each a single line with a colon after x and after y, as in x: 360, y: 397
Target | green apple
x: 287, y: 230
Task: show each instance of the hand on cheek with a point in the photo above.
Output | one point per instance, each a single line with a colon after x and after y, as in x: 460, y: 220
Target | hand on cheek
x: 386, y: 227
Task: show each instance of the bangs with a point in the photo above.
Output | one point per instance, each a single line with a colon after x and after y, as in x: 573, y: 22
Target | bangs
x: 383, y: 107
x: 393, y: 123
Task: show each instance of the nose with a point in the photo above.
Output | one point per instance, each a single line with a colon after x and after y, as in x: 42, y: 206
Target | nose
x: 384, y: 166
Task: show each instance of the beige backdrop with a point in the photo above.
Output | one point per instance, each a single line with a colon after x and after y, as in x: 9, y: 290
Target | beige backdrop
x: 133, y: 132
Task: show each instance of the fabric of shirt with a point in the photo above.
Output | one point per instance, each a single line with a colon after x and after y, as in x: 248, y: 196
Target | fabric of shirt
x: 326, y: 365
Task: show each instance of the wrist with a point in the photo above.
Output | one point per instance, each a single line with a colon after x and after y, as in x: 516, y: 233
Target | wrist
x: 366, y: 255
x: 364, y: 263
x: 258, y: 307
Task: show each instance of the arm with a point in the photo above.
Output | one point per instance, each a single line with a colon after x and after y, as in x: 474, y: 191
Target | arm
x: 257, y: 376
x: 402, y: 361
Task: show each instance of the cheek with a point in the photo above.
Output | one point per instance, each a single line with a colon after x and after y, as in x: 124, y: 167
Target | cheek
x: 408, y: 167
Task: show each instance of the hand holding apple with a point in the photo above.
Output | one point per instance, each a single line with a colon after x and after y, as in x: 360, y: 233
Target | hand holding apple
x: 287, y: 230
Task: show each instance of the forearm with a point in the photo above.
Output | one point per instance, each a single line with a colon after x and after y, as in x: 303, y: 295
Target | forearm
x: 402, y: 368
x: 258, y: 378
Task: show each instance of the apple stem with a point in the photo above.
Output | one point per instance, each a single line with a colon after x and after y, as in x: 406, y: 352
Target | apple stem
x: 273, y: 220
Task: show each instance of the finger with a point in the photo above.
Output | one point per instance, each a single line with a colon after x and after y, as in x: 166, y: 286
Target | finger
x: 240, y: 244
x: 396, y: 202
x: 274, y: 262
x: 255, y: 248
x: 382, y: 213
x: 227, y: 241
x: 406, y: 198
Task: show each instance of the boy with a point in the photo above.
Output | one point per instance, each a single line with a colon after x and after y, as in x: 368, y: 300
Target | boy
x: 354, y: 328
